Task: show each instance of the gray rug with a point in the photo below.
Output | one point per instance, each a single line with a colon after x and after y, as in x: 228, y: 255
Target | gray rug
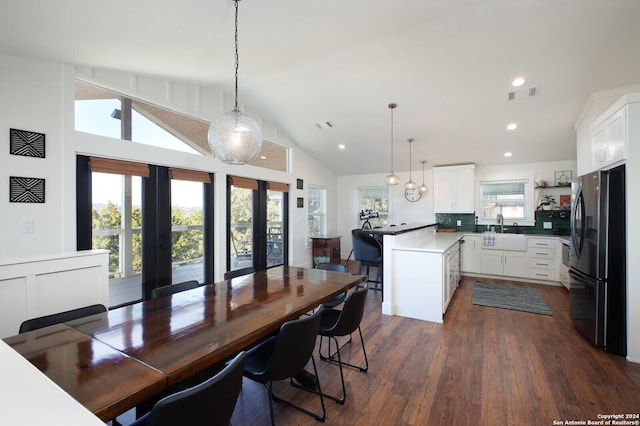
x: 509, y: 297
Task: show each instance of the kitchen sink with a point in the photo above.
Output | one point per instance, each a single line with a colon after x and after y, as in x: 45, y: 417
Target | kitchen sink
x: 496, y: 241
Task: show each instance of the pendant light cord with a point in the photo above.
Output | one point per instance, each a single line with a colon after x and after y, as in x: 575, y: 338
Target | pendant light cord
x: 410, y: 143
x: 235, y: 108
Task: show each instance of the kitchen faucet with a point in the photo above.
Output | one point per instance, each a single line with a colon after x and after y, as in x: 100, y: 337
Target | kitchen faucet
x: 500, y: 221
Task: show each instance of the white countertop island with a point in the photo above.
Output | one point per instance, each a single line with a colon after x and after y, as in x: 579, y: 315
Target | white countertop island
x: 421, y: 269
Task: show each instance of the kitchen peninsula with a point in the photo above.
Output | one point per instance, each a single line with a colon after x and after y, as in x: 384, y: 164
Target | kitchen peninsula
x: 421, y: 270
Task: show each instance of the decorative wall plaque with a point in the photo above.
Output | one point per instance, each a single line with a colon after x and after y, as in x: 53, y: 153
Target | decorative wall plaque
x: 299, y: 184
x: 26, y: 143
x: 300, y: 202
x: 26, y: 190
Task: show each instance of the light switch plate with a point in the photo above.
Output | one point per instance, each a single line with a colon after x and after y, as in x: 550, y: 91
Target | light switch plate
x: 459, y: 223
x: 27, y: 226
x: 547, y: 225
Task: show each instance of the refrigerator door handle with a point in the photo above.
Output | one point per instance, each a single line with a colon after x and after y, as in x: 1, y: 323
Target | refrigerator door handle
x: 577, y: 229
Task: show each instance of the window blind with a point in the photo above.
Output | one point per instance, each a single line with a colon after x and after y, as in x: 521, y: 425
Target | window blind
x: 190, y: 175
x: 276, y: 186
x: 241, y: 182
x: 118, y: 167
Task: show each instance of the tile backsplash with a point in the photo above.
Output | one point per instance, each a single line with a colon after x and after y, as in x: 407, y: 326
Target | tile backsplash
x: 559, y: 219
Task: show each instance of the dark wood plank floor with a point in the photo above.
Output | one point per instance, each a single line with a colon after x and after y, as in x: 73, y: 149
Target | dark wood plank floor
x: 482, y: 366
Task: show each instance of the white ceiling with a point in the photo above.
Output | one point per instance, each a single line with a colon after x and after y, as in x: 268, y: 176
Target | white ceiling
x: 448, y: 64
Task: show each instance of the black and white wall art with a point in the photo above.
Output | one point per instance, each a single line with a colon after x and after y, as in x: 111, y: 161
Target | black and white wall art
x: 26, y: 190
x: 26, y: 143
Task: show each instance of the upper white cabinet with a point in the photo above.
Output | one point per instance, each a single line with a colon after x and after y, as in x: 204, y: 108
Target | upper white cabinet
x: 609, y: 140
x: 454, y: 189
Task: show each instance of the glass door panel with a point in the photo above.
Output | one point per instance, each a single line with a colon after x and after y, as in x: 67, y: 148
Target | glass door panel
x: 116, y: 227
x: 275, y: 215
x: 187, y: 231
x: 241, y: 227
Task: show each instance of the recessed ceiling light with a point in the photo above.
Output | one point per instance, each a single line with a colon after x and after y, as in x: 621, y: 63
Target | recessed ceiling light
x: 342, y: 146
x: 508, y: 154
x: 262, y: 157
x: 512, y: 126
x: 518, y: 81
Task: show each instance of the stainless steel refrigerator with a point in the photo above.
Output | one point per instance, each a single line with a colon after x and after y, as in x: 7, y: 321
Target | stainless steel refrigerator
x: 598, y: 259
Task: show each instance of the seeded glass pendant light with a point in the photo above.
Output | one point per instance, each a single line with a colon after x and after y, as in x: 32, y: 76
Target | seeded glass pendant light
x: 423, y: 188
x: 234, y: 137
x: 410, y: 183
x: 392, y: 178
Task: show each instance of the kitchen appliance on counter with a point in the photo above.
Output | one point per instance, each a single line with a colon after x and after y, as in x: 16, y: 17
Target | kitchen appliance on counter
x: 597, y: 273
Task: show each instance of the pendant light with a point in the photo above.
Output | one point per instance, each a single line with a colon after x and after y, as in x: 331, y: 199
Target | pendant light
x: 423, y: 188
x: 410, y: 183
x: 234, y: 137
x: 392, y: 178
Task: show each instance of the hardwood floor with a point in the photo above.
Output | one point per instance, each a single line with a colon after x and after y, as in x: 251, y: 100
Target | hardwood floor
x: 482, y: 366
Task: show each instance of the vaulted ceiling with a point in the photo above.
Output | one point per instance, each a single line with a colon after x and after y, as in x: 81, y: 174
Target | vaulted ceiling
x: 447, y: 64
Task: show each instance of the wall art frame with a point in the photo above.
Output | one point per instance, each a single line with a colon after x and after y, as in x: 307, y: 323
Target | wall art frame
x: 300, y: 202
x: 299, y: 184
x: 27, y: 143
x: 26, y: 190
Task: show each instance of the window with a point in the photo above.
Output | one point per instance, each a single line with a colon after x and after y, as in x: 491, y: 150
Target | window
x: 374, y: 199
x: 317, y: 211
x: 103, y: 112
x: 509, y: 198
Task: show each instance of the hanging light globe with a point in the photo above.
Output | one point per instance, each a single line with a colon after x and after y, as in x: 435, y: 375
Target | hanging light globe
x: 392, y: 179
x: 235, y: 138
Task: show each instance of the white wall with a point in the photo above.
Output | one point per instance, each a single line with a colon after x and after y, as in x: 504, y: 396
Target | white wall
x: 400, y: 210
x: 39, y: 96
x: 31, y: 99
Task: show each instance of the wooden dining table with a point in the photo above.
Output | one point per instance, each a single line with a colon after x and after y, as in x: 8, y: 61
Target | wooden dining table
x: 173, y: 338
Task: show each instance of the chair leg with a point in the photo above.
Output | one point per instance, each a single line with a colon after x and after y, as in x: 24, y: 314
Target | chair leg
x: 331, y: 357
x: 318, y: 391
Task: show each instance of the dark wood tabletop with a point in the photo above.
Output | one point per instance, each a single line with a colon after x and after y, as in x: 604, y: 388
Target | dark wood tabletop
x: 103, y: 379
x: 117, y: 360
x: 190, y: 331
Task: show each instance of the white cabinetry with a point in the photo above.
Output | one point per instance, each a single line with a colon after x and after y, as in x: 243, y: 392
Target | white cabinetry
x: 609, y: 141
x: 454, y: 189
x: 542, y: 259
x: 452, y: 274
x: 45, y: 285
x: 470, y: 250
x: 506, y: 263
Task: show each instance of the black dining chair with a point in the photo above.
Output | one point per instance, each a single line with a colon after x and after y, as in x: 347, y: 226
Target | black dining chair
x: 60, y: 317
x: 166, y: 290
x: 284, y: 356
x: 239, y: 272
x: 337, y: 267
x: 335, y: 323
x: 209, y: 403
x: 368, y: 251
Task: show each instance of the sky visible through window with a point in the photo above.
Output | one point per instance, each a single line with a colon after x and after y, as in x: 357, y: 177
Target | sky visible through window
x: 94, y: 116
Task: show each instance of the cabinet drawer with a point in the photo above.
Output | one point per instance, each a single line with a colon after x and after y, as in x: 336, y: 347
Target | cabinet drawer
x: 542, y: 264
x: 542, y: 253
x: 541, y: 274
x: 541, y: 243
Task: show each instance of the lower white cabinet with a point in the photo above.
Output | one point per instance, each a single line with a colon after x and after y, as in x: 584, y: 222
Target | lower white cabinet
x: 542, y: 259
x: 507, y: 263
x: 452, y: 274
x: 470, y: 254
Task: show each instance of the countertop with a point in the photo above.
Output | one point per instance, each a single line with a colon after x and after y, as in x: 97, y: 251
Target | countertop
x: 399, y: 229
x: 443, y: 241
x: 440, y: 243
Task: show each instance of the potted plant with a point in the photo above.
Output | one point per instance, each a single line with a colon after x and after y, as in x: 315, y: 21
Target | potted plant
x: 547, y: 202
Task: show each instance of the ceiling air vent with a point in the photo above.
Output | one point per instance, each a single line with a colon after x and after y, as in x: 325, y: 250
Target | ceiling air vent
x: 324, y: 125
x: 527, y: 92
